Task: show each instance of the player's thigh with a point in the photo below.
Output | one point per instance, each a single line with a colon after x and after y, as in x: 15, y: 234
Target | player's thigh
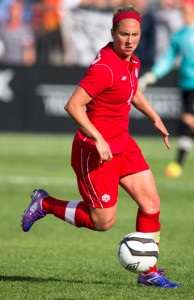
x: 142, y: 188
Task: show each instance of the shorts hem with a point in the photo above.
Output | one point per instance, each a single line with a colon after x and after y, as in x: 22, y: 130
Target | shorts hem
x: 135, y: 171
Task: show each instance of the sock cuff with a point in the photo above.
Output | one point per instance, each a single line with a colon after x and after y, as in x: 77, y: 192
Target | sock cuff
x: 142, y: 213
x: 147, y: 222
x: 82, y: 216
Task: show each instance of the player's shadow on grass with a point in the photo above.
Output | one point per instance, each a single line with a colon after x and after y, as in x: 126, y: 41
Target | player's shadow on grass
x: 26, y: 278
x: 38, y: 279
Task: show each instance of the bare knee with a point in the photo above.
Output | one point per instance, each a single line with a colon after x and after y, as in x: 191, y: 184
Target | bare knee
x: 103, y: 225
x: 151, y: 205
x: 103, y: 219
x: 156, y: 203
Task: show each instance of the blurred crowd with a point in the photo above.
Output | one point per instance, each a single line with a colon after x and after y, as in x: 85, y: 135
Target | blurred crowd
x: 71, y: 32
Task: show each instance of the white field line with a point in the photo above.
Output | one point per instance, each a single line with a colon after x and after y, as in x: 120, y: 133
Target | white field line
x: 16, y: 179
x: 19, y: 180
x: 176, y: 185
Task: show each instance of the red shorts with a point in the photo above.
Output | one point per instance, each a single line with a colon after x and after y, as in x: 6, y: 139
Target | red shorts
x: 98, y: 183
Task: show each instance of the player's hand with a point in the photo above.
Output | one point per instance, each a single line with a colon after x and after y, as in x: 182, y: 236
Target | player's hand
x: 147, y: 79
x: 165, y: 137
x: 104, y: 151
x: 160, y: 126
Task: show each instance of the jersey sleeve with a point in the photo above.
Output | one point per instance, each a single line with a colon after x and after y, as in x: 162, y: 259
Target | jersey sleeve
x: 165, y: 64
x: 97, y: 79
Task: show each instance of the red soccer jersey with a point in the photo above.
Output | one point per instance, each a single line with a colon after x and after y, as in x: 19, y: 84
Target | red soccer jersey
x: 112, y: 82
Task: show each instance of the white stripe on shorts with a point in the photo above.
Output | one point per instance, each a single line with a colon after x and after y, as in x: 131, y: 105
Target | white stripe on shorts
x: 70, y: 211
x: 84, y: 177
x: 88, y: 171
x: 88, y: 175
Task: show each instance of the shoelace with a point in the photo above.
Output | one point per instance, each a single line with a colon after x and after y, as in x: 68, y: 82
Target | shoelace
x: 165, y: 281
x: 161, y: 272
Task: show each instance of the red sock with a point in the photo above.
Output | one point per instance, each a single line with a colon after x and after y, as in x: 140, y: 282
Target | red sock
x: 74, y: 212
x: 149, y: 223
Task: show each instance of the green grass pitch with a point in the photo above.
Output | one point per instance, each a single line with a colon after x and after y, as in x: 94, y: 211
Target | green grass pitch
x: 58, y: 261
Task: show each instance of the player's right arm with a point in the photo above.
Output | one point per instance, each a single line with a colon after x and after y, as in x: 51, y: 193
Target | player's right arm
x: 75, y: 108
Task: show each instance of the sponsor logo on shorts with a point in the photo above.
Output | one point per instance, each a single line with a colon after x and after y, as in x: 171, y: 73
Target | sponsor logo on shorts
x: 106, y: 198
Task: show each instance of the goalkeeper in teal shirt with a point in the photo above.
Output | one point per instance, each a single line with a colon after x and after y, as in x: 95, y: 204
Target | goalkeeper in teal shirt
x: 181, y: 43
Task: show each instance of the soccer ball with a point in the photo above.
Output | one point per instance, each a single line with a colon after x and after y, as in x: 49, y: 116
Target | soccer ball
x: 137, y: 252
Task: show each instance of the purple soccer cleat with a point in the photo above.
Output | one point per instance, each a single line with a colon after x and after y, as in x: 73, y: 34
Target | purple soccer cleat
x: 156, y: 279
x: 34, y: 212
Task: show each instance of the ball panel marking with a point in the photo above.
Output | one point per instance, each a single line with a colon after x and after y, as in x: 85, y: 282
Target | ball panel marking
x: 141, y: 253
x: 138, y: 239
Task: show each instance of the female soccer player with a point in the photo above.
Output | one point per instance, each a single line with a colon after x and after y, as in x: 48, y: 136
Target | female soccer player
x: 104, y: 155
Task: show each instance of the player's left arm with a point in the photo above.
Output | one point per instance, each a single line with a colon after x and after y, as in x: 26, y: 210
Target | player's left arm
x: 141, y: 103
